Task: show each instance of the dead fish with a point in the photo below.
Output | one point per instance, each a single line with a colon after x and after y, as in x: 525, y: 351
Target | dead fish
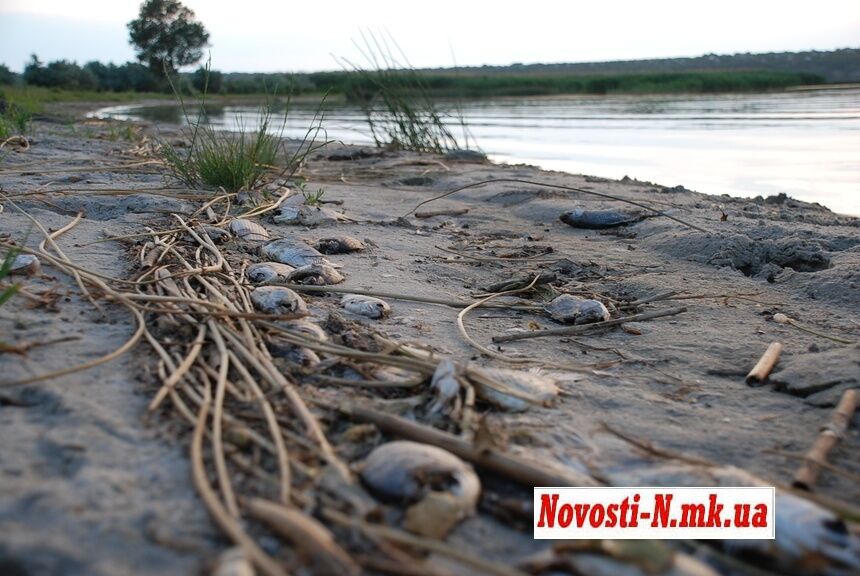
x: 515, y: 390
x: 217, y: 235
x: 569, y: 309
x: 365, y: 306
x: 248, y: 230
x: 277, y: 300
x: 305, y: 328
x: 25, y: 265
x: 293, y: 353
x: 394, y: 374
x: 517, y: 282
x: 466, y: 155
x: 405, y: 471
x: 339, y: 245
x: 268, y: 272
x: 445, y: 387
x: 304, y: 215
x: 296, y: 254
x: 315, y: 274
x: 599, y: 219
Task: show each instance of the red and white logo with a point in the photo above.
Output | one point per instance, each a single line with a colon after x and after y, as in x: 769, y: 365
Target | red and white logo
x: 736, y: 513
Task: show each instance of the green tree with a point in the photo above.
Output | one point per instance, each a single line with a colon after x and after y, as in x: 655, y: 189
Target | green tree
x: 208, y: 80
x: 167, y: 36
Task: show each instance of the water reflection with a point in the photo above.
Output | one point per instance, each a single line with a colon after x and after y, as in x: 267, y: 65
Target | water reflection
x: 806, y: 144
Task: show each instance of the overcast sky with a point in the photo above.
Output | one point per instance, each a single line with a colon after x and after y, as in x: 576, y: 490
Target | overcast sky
x: 289, y: 35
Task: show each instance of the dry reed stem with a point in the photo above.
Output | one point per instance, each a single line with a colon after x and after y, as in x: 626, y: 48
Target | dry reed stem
x: 573, y: 330
x: 765, y: 365
x: 807, y: 475
x: 228, y: 524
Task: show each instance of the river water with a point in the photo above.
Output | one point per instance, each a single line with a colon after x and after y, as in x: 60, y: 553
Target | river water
x: 803, y: 143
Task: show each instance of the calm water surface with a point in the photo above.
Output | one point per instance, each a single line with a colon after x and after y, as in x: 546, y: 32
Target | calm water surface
x: 803, y: 143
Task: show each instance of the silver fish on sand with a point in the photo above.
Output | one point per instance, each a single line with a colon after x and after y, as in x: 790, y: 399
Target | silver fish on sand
x: 339, y: 245
x: 293, y: 253
x: 25, y: 265
x: 365, y: 306
x: 406, y: 471
x: 515, y: 390
x: 303, y: 215
x: 444, y: 488
x: 217, y: 235
x: 600, y: 219
x: 277, y: 300
x: 305, y: 357
x: 268, y: 272
x: 570, y: 309
x: 248, y: 230
x: 305, y: 328
x: 315, y: 274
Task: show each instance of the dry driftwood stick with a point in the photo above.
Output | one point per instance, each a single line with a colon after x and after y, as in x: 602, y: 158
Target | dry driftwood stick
x: 450, y: 212
x: 765, y: 365
x: 306, y: 533
x: 830, y: 435
x: 574, y: 330
x: 649, y: 299
x: 513, y: 467
x: 780, y: 318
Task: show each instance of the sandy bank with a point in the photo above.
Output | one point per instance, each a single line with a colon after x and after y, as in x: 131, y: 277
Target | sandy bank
x: 88, y: 487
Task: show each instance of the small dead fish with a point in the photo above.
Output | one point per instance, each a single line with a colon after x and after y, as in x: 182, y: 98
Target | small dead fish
x: 339, y: 245
x: 25, y: 265
x: 304, y: 215
x: 292, y: 353
x: 406, y: 471
x: 569, y: 309
x: 445, y: 387
x: 268, y: 272
x: 466, y: 155
x: 315, y: 274
x: 296, y: 254
x: 277, y: 300
x: 599, y: 219
x: 518, y: 282
x: 248, y: 230
x: 217, y: 235
x: 365, y: 306
x: 515, y: 390
x: 306, y: 328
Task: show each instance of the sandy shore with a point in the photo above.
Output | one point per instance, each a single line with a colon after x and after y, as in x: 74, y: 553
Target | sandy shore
x: 88, y: 486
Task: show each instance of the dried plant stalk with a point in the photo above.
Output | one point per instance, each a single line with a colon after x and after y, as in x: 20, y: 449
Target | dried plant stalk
x: 830, y: 435
x: 765, y: 365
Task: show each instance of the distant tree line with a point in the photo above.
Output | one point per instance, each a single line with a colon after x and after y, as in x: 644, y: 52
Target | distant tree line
x: 773, y: 71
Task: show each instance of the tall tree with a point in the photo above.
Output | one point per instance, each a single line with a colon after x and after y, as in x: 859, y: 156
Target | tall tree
x: 167, y: 36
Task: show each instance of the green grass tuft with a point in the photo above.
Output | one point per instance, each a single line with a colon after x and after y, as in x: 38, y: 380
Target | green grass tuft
x: 5, y: 268
x: 236, y: 161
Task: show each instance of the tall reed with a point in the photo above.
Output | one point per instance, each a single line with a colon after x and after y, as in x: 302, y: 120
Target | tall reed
x: 399, y: 109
